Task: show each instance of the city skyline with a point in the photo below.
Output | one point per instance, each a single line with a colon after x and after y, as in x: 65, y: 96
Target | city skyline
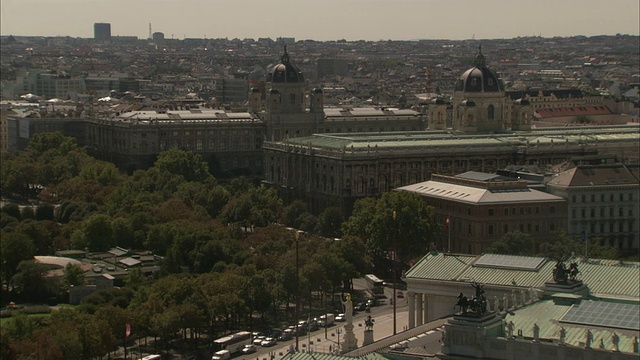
x: 351, y: 20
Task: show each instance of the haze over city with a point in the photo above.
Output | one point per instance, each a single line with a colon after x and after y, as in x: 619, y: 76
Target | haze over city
x: 322, y: 20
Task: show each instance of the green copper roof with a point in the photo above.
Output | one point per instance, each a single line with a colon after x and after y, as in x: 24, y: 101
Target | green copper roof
x: 546, y: 314
x: 605, y: 278
x: 424, y: 140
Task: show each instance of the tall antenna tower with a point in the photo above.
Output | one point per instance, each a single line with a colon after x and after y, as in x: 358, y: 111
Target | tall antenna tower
x: 150, y: 33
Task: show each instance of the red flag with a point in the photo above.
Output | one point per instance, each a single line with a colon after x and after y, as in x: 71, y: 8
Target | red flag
x: 446, y: 222
x: 127, y: 331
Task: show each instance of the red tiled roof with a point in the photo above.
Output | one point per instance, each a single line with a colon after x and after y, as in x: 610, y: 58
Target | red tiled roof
x: 573, y: 111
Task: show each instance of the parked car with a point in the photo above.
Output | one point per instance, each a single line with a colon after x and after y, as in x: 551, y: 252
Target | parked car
x: 340, y: 318
x: 268, y: 342
x: 249, y: 349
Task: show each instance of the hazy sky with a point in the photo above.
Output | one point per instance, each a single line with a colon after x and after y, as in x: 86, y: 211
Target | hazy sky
x: 323, y: 19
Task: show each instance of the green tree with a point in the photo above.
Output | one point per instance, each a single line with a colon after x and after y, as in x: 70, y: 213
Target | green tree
x: 44, y: 212
x: 329, y: 223
x: 292, y: 213
x: 514, y: 243
x: 400, y: 221
x: 31, y: 283
x: 41, y: 143
x: 15, y: 247
x: 135, y: 278
x: 73, y: 275
x: 13, y: 210
x: 98, y: 233
x: 359, y: 223
x: 187, y: 164
x: 122, y: 232
x: 258, y: 207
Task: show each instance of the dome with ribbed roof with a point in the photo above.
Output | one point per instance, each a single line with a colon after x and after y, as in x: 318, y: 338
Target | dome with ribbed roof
x: 479, y: 78
x: 285, y: 72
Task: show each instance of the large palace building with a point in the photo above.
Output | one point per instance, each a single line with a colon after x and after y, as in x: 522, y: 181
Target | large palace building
x: 232, y: 141
x: 488, y: 130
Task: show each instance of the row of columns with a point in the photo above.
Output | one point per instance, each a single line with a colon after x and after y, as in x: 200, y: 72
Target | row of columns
x: 418, y: 309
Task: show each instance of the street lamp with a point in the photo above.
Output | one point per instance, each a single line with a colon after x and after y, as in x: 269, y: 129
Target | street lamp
x: 297, y: 235
x: 395, y: 275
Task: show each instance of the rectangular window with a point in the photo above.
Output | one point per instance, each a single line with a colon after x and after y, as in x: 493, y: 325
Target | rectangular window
x: 552, y: 209
x: 490, y: 212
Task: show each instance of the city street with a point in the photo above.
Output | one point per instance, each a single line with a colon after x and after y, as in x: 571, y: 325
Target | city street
x: 316, y: 341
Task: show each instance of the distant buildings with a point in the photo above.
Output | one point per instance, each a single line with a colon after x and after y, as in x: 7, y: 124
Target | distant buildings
x: 232, y: 141
x: 102, y: 32
x: 482, y: 129
x: 602, y: 203
x: 158, y: 38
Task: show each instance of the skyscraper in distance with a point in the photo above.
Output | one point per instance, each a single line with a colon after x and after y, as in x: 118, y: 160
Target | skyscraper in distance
x: 102, y: 31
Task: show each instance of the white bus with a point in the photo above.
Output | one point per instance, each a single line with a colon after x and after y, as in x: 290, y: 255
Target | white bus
x: 374, y: 285
x: 234, y: 342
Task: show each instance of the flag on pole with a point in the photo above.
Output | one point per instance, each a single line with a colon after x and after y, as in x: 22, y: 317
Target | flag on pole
x: 127, y: 330
x: 446, y: 222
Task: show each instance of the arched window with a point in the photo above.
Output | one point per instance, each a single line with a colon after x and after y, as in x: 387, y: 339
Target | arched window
x: 490, y: 112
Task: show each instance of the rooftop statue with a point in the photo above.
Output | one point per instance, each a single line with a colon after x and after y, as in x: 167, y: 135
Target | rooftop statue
x: 477, y: 306
x: 562, y: 274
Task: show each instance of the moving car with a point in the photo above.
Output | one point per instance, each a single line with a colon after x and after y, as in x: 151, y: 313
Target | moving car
x: 258, y: 340
x: 286, y: 334
x: 268, y: 342
x: 340, y: 318
x: 221, y: 355
x: 249, y: 349
x: 326, y: 320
